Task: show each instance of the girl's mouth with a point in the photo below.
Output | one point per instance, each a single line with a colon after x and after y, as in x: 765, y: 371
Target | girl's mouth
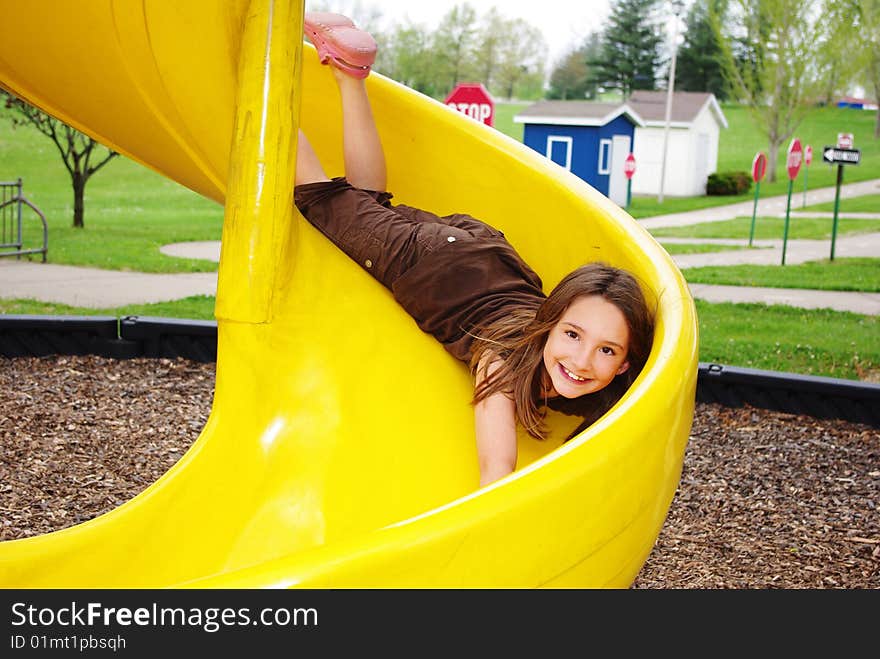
x: 571, y: 376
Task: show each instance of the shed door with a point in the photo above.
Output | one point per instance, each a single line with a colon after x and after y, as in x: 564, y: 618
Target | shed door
x: 620, y: 146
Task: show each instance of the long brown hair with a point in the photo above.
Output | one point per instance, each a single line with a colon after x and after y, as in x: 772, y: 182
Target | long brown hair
x: 519, y: 338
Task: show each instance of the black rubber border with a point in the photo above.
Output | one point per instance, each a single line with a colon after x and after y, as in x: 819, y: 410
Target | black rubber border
x: 821, y: 397
x: 143, y: 336
x: 123, y: 338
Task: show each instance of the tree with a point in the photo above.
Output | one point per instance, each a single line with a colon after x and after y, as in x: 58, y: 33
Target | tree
x: 410, y: 58
x: 768, y: 55
x: 868, y: 16
x: 521, y: 66
x: 487, y: 53
x: 699, y: 63
x: 630, y: 52
x: 77, y: 150
x: 855, y: 23
x: 452, y: 45
x: 571, y: 78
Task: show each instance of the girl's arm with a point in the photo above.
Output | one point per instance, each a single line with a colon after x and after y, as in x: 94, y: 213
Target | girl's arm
x: 495, y: 424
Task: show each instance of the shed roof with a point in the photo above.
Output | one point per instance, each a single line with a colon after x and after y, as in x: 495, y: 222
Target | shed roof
x: 576, y: 113
x: 685, y: 107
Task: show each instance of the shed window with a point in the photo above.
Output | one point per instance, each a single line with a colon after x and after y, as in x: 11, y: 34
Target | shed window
x: 604, y: 156
x: 559, y: 150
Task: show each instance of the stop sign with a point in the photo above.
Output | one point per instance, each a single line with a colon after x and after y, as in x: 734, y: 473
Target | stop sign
x: 808, y: 155
x: 795, y: 156
x: 759, y: 167
x: 629, y: 166
x: 473, y: 100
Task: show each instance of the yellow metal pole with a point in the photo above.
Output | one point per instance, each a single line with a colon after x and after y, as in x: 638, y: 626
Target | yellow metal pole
x: 259, y: 211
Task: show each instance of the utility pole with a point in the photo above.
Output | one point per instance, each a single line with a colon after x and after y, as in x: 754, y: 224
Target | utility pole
x: 677, y: 8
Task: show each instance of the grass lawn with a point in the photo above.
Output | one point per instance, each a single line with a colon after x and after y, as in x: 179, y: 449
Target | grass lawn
x: 842, y: 274
x: 197, y: 307
x: 701, y: 248
x: 504, y: 113
x: 866, y: 204
x: 778, y: 338
x: 130, y: 211
x: 770, y: 228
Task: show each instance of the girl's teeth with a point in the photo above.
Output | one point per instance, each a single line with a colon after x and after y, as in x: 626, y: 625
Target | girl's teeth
x: 573, y: 376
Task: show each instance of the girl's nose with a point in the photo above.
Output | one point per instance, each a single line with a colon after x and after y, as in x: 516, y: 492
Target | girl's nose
x: 583, y: 359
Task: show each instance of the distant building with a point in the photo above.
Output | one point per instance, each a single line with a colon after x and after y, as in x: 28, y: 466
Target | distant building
x: 856, y: 103
x: 591, y: 140
x: 695, y: 125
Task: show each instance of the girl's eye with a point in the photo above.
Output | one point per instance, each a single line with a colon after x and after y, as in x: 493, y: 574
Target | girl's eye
x: 571, y: 334
x: 606, y: 350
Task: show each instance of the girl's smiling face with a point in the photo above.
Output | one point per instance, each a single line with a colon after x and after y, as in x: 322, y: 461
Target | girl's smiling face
x: 587, y: 348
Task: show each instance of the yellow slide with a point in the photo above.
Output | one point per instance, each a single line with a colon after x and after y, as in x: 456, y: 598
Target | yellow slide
x: 340, y: 448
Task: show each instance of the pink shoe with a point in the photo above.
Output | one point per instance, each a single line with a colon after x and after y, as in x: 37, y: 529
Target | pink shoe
x: 338, y: 41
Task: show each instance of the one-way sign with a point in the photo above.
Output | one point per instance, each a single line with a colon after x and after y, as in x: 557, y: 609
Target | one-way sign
x: 833, y: 154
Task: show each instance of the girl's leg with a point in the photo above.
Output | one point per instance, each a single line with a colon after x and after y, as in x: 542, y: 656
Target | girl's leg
x: 362, y: 148
x: 308, y: 167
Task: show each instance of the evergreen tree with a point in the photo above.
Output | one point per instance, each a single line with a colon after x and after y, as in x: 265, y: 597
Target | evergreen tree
x: 699, y: 64
x: 630, y: 51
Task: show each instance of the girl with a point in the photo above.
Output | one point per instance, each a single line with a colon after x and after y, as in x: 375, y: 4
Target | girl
x: 576, y: 350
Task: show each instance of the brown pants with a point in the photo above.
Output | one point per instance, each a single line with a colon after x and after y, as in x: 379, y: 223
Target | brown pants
x: 383, y: 239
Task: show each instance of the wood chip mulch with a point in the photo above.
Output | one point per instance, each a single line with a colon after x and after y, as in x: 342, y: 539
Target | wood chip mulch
x: 766, y: 499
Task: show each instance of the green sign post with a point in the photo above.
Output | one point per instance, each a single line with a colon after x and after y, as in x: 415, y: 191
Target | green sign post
x: 808, y: 159
x: 759, y: 168
x: 793, y: 164
x: 629, y: 168
x: 841, y: 156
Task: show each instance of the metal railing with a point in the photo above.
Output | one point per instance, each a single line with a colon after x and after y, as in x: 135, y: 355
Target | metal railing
x: 11, y: 235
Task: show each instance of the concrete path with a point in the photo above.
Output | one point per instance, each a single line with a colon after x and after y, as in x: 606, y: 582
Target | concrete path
x: 862, y: 303
x: 769, y: 252
x: 94, y: 288
x: 766, y: 206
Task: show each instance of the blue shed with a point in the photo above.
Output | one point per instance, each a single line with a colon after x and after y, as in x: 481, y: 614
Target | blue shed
x: 591, y: 140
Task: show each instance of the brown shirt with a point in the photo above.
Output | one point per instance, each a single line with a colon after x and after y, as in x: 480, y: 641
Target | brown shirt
x: 453, y: 274
x: 464, y: 285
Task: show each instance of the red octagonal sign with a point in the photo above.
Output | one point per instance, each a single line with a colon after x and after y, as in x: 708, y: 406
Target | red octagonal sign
x: 629, y: 166
x: 795, y: 157
x: 759, y: 167
x: 473, y: 100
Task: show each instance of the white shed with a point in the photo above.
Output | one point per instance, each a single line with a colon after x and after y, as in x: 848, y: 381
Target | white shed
x: 695, y: 124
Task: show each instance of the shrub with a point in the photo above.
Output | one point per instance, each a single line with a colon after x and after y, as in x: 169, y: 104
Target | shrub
x: 728, y: 183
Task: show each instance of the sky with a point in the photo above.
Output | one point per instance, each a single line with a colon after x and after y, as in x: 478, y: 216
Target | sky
x: 564, y: 23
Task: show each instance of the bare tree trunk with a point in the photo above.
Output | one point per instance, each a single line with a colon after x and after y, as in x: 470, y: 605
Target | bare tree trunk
x: 772, y: 156
x: 877, y: 100
x: 79, y: 189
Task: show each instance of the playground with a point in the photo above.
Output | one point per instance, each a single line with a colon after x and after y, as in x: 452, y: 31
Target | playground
x: 331, y: 444
x: 302, y: 475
